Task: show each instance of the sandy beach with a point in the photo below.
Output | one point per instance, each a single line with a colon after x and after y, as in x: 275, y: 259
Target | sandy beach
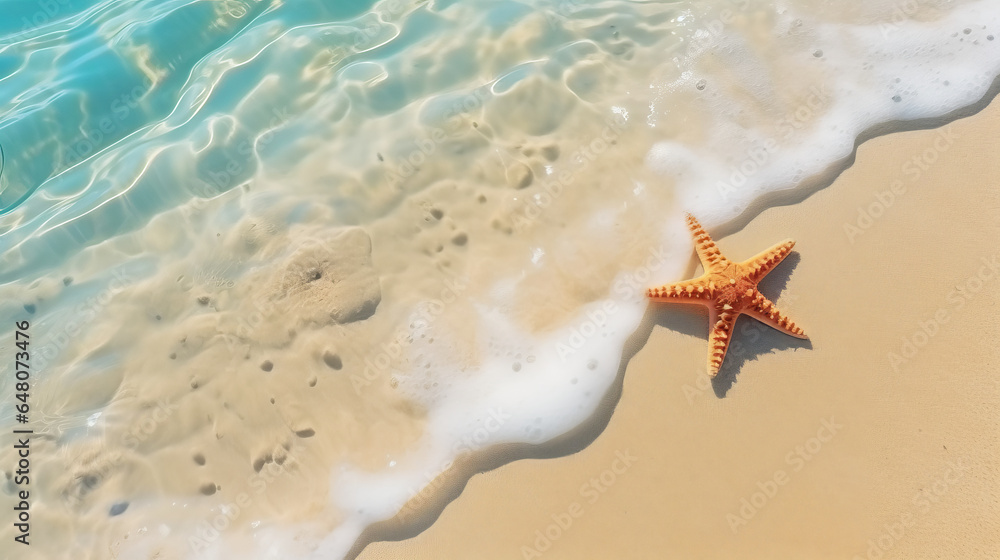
x: 875, y: 439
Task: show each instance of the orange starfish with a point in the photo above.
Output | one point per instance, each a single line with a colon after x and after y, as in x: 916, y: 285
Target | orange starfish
x: 728, y: 289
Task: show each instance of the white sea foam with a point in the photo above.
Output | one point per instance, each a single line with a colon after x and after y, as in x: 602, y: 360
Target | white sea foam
x: 772, y: 116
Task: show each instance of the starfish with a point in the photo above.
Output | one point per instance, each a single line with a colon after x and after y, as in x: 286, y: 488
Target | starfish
x: 728, y: 289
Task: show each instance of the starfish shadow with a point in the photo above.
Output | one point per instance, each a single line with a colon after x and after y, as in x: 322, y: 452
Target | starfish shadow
x: 752, y: 338
x: 769, y: 341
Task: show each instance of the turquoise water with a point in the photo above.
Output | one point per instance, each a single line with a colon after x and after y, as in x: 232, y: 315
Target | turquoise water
x: 105, y: 105
x: 365, y: 237
x: 115, y: 110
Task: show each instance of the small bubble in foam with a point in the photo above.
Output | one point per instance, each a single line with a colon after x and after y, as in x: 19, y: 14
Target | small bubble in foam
x: 592, y: 364
x: 701, y: 84
x: 897, y: 98
x: 516, y: 366
x: 818, y: 53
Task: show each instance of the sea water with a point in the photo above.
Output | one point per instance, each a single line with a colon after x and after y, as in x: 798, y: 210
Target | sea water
x: 284, y: 263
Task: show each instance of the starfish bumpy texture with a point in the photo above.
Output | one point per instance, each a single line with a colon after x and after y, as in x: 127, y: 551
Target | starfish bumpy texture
x: 728, y: 289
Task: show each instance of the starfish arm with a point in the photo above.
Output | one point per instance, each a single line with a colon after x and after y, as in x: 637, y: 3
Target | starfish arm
x: 766, y: 312
x: 718, y: 338
x: 709, y: 255
x: 688, y: 291
x: 758, y: 266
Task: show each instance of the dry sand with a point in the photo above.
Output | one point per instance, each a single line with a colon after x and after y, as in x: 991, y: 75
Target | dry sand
x: 853, y: 445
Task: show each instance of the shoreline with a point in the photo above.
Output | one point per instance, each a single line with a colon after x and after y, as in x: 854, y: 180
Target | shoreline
x: 852, y: 374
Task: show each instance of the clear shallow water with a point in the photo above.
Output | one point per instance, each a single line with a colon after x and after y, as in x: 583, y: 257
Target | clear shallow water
x: 178, y: 177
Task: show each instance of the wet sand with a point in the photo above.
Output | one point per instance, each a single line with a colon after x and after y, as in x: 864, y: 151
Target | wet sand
x: 875, y: 439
